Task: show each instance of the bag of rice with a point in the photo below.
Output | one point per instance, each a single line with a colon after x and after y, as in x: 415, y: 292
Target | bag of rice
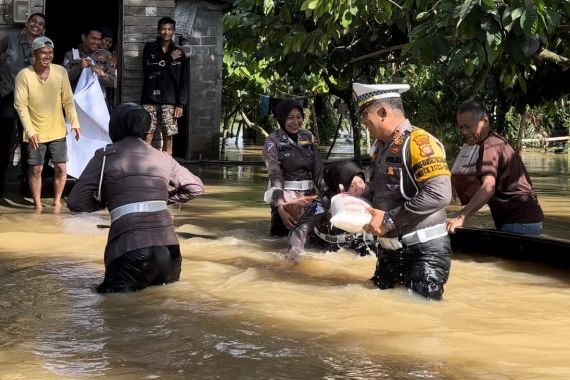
x: 349, y: 212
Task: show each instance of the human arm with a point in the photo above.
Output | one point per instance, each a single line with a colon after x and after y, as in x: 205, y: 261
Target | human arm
x: 72, y: 66
x: 376, y: 225
x: 104, y: 70
x: 81, y: 198
x: 69, y: 105
x: 147, y: 62
x: 479, y: 199
x: 270, y: 156
x: 21, y: 103
x: 432, y: 196
x: 425, y: 165
x: 187, y: 186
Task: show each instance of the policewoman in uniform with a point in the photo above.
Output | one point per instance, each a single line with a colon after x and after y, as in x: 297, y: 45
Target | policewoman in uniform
x: 136, y: 183
x: 409, y: 189
x: 295, y: 173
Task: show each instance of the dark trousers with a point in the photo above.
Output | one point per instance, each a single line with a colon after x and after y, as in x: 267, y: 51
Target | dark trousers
x: 140, y: 268
x: 6, y: 130
x: 423, y: 268
x: 277, y: 226
x: 9, y: 116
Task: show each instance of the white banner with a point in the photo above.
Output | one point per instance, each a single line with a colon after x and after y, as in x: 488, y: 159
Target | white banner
x: 94, y: 122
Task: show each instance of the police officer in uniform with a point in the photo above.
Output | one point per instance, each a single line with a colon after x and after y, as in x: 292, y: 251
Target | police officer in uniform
x: 409, y: 189
x: 295, y: 169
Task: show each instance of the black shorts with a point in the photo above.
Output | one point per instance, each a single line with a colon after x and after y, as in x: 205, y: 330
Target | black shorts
x: 137, y: 269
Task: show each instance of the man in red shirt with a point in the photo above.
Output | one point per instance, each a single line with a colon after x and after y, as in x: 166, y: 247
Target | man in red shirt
x: 504, y: 182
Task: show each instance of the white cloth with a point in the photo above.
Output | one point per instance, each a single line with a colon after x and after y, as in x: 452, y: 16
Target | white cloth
x: 466, y: 161
x: 94, y: 122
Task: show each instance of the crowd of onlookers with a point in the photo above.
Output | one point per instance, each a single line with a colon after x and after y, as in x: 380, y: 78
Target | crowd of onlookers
x: 33, y: 91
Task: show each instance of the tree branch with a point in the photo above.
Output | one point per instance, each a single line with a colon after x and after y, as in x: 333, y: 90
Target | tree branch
x: 252, y: 125
x: 370, y: 55
x: 548, y: 55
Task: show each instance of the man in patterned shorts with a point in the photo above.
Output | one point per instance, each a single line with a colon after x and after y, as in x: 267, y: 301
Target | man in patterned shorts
x: 165, y: 86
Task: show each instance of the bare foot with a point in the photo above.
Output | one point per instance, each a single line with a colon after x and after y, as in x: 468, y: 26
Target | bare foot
x: 38, y: 207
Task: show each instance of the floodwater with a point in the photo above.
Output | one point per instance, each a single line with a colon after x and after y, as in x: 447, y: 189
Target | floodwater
x: 241, y: 311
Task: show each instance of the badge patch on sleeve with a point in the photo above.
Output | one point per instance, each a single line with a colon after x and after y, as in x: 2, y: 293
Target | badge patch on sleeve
x: 269, y: 144
x: 428, y: 156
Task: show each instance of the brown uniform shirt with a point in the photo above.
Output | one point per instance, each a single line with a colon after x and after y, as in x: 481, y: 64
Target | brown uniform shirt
x: 514, y: 200
x: 134, y: 172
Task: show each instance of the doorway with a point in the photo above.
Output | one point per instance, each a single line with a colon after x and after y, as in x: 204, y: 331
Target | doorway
x: 65, y: 31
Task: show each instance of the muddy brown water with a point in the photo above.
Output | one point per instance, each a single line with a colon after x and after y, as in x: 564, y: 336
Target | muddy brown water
x: 241, y: 311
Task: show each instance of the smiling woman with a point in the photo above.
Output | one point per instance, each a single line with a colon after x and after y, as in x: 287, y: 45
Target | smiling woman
x: 295, y: 174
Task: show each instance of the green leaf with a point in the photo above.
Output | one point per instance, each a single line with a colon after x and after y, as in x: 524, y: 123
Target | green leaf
x: 551, y: 20
x: 268, y: 6
x: 440, y: 46
x: 529, y: 21
x: 529, y: 46
x: 515, y: 14
x: 492, y: 54
x: 469, y: 68
x: 464, y: 11
x: 313, y: 4
x: 422, y: 16
x: 487, y: 5
x: 493, y: 39
x: 346, y: 20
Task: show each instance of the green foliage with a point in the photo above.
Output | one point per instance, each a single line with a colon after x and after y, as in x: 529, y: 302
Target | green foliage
x: 453, y: 50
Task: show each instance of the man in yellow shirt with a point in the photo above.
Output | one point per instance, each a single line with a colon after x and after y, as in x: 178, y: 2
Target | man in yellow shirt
x: 41, y: 92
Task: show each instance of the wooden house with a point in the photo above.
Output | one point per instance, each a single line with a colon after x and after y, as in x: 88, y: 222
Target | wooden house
x: 199, y: 32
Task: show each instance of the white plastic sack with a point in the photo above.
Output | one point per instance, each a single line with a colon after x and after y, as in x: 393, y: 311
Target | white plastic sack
x: 349, y: 212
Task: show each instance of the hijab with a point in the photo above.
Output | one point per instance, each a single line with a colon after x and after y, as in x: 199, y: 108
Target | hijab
x: 128, y: 119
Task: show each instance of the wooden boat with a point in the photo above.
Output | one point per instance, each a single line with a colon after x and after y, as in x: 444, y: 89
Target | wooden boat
x: 544, y: 249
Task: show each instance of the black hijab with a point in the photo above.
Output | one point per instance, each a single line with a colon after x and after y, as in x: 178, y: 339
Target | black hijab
x: 342, y: 173
x: 128, y: 119
x: 282, y: 109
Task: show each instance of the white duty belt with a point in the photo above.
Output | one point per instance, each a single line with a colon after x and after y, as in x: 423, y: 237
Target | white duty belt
x: 303, y: 185
x: 343, y: 237
x: 306, y: 184
x: 129, y: 208
x: 413, y: 238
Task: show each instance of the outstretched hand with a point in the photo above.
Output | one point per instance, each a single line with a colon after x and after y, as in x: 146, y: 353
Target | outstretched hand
x: 455, y: 222
x: 375, y: 226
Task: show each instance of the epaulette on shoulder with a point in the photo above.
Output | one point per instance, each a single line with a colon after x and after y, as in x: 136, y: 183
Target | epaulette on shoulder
x: 306, y: 133
x: 107, y: 150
